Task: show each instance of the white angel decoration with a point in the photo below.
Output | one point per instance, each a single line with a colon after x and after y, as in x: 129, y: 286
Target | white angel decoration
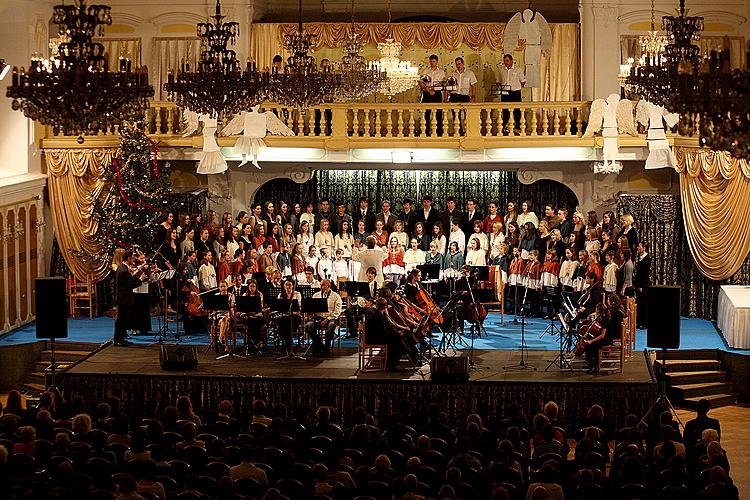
x: 212, y: 161
x: 533, y: 28
x: 654, y: 117
x: 255, y: 126
x: 612, y: 117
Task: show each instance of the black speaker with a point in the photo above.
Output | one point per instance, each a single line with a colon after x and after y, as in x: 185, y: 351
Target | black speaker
x: 449, y: 369
x: 51, y: 309
x: 178, y: 357
x: 663, y: 317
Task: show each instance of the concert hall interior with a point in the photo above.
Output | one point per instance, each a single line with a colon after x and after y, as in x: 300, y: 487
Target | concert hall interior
x: 344, y: 249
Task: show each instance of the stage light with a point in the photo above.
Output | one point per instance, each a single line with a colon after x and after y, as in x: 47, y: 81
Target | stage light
x: 4, y: 69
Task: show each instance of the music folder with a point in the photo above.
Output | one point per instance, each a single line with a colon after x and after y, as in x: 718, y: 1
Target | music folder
x: 429, y: 271
x: 215, y: 302
x: 283, y: 305
x: 357, y: 288
x: 248, y: 304
x: 315, y: 305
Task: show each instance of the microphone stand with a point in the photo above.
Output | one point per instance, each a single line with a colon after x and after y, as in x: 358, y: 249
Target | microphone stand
x: 524, y: 363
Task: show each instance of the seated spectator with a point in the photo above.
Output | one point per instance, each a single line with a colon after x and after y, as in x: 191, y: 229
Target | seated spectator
x: 147, y: 483
x: 259, y: 413
x: 27, y: 436
x: 185, y: 411
x: 548, y: 477
x: 248, y: 470
x: 81, y: 427
x: 189, y: 433
x: 137, y: 450
x: 549, y: 443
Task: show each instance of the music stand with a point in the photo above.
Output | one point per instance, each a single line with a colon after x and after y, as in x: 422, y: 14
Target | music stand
x: 355, y: 289
x: 213, y: 303
x: 553, y: 299
x: 285, y: 307
x: 482, y: 273
x: 307, y: 291
x: 249, y: 304
x: 313, y: 306
x: 430, y: 272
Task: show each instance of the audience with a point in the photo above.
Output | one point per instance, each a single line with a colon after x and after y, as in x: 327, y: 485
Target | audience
x: 269, y: 452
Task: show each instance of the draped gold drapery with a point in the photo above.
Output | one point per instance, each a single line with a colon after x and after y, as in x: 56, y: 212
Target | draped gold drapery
x: 75, y: 180
x: 715, y: 188
x: 429, y: 35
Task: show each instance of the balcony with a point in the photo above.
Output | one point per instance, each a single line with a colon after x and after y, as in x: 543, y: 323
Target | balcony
x: 341, y: 127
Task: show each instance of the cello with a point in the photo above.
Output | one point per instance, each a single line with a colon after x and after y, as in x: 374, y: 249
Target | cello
x: 425, y: 302
x: 194, y: 303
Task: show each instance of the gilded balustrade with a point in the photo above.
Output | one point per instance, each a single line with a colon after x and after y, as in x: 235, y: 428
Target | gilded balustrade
x: 344, y: 126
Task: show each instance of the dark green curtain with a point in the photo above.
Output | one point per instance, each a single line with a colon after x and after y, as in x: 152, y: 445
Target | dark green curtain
x: 397, y: 185
x: 659, y: 222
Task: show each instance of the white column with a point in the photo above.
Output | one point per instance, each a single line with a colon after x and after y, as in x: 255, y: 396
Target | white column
x: 600, y: 48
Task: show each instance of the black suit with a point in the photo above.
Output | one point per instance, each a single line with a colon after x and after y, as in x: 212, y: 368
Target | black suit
x: 408, y: 220
x: 468, y: 226
x: 447, y: 219
x: 428, y: 221
x: 368, y: 217
x: 641, y: 283
x: 388, y: 221
x: 124, y: 284
x: 694, y: 428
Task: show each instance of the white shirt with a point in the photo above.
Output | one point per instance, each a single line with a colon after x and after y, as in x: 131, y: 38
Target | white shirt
x: 324, y: 239
x: 512, y: 77
x: 476, y: 258
x: 325, y: 268
x: 436, y: 75
x: 464, y: 81
x: 460, y: 238
x: 334, y: 304
x: 207, y: 277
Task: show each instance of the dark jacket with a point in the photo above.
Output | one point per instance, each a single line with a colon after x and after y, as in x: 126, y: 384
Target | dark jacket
x: 124, y: 284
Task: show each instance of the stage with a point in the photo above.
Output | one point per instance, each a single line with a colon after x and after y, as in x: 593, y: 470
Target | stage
x: 134, y: 374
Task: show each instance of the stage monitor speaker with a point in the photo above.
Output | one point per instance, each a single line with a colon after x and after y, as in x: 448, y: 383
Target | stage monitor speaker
x: 663, y: 317
x: 178, y: 357
x: 449, y: 369
x: 51, y: 308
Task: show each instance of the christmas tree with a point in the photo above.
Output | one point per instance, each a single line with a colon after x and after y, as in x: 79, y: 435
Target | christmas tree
x: 135, y: 199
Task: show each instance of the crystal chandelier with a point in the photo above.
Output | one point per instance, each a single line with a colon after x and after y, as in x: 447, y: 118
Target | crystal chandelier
x: 218, y: 86
x: 358, y: 78
x: 74, y: 91
x: 652, y: 45
x: 401, y: 75
x: 301, y: 84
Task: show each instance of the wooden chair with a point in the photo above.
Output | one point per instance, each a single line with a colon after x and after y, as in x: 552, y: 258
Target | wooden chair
x: 631, y: 317
x: 612, y: 357
x: 372, y: 357
x: 81, y: 295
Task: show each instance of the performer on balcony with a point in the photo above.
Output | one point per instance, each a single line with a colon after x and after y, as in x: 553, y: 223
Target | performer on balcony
x: 512, y: 79
x: 429, y: 77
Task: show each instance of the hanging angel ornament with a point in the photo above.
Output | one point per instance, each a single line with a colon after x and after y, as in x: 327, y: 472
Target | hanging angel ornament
x: 254, y: 127
x: 654, y: 117
x: 531, y: 27
x: 612, y: 118
x: 211, y: 161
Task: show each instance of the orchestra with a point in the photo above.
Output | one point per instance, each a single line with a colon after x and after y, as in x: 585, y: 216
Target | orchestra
x: 284, y: 261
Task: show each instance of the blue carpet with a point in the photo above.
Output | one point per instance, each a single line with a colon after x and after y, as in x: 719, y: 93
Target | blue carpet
x: 695, y: 334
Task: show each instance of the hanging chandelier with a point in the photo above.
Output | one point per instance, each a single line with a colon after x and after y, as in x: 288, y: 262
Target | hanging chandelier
x: 401, y: 75
x: 74, y: 92
x: 301, y: 84
x: 218, y: 86
x: 358, y: 78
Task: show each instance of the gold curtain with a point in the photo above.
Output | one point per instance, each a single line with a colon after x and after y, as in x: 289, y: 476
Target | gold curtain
x: 448, y: 35
x: 715, y: 188
x: 75, y: 180
x: 561, y: 78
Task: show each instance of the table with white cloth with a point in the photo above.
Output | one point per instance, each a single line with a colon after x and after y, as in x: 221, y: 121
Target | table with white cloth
x: 734, y: 315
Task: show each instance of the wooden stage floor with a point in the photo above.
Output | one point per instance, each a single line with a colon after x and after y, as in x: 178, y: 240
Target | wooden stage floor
x: 490, y: 367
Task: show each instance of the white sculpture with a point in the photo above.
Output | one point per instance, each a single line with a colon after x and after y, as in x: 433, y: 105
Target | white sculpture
x: 255, y: 126
x: 533, y: 28
x: 212, y: 161
x: 611, y: 117
x: 654, y: 117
